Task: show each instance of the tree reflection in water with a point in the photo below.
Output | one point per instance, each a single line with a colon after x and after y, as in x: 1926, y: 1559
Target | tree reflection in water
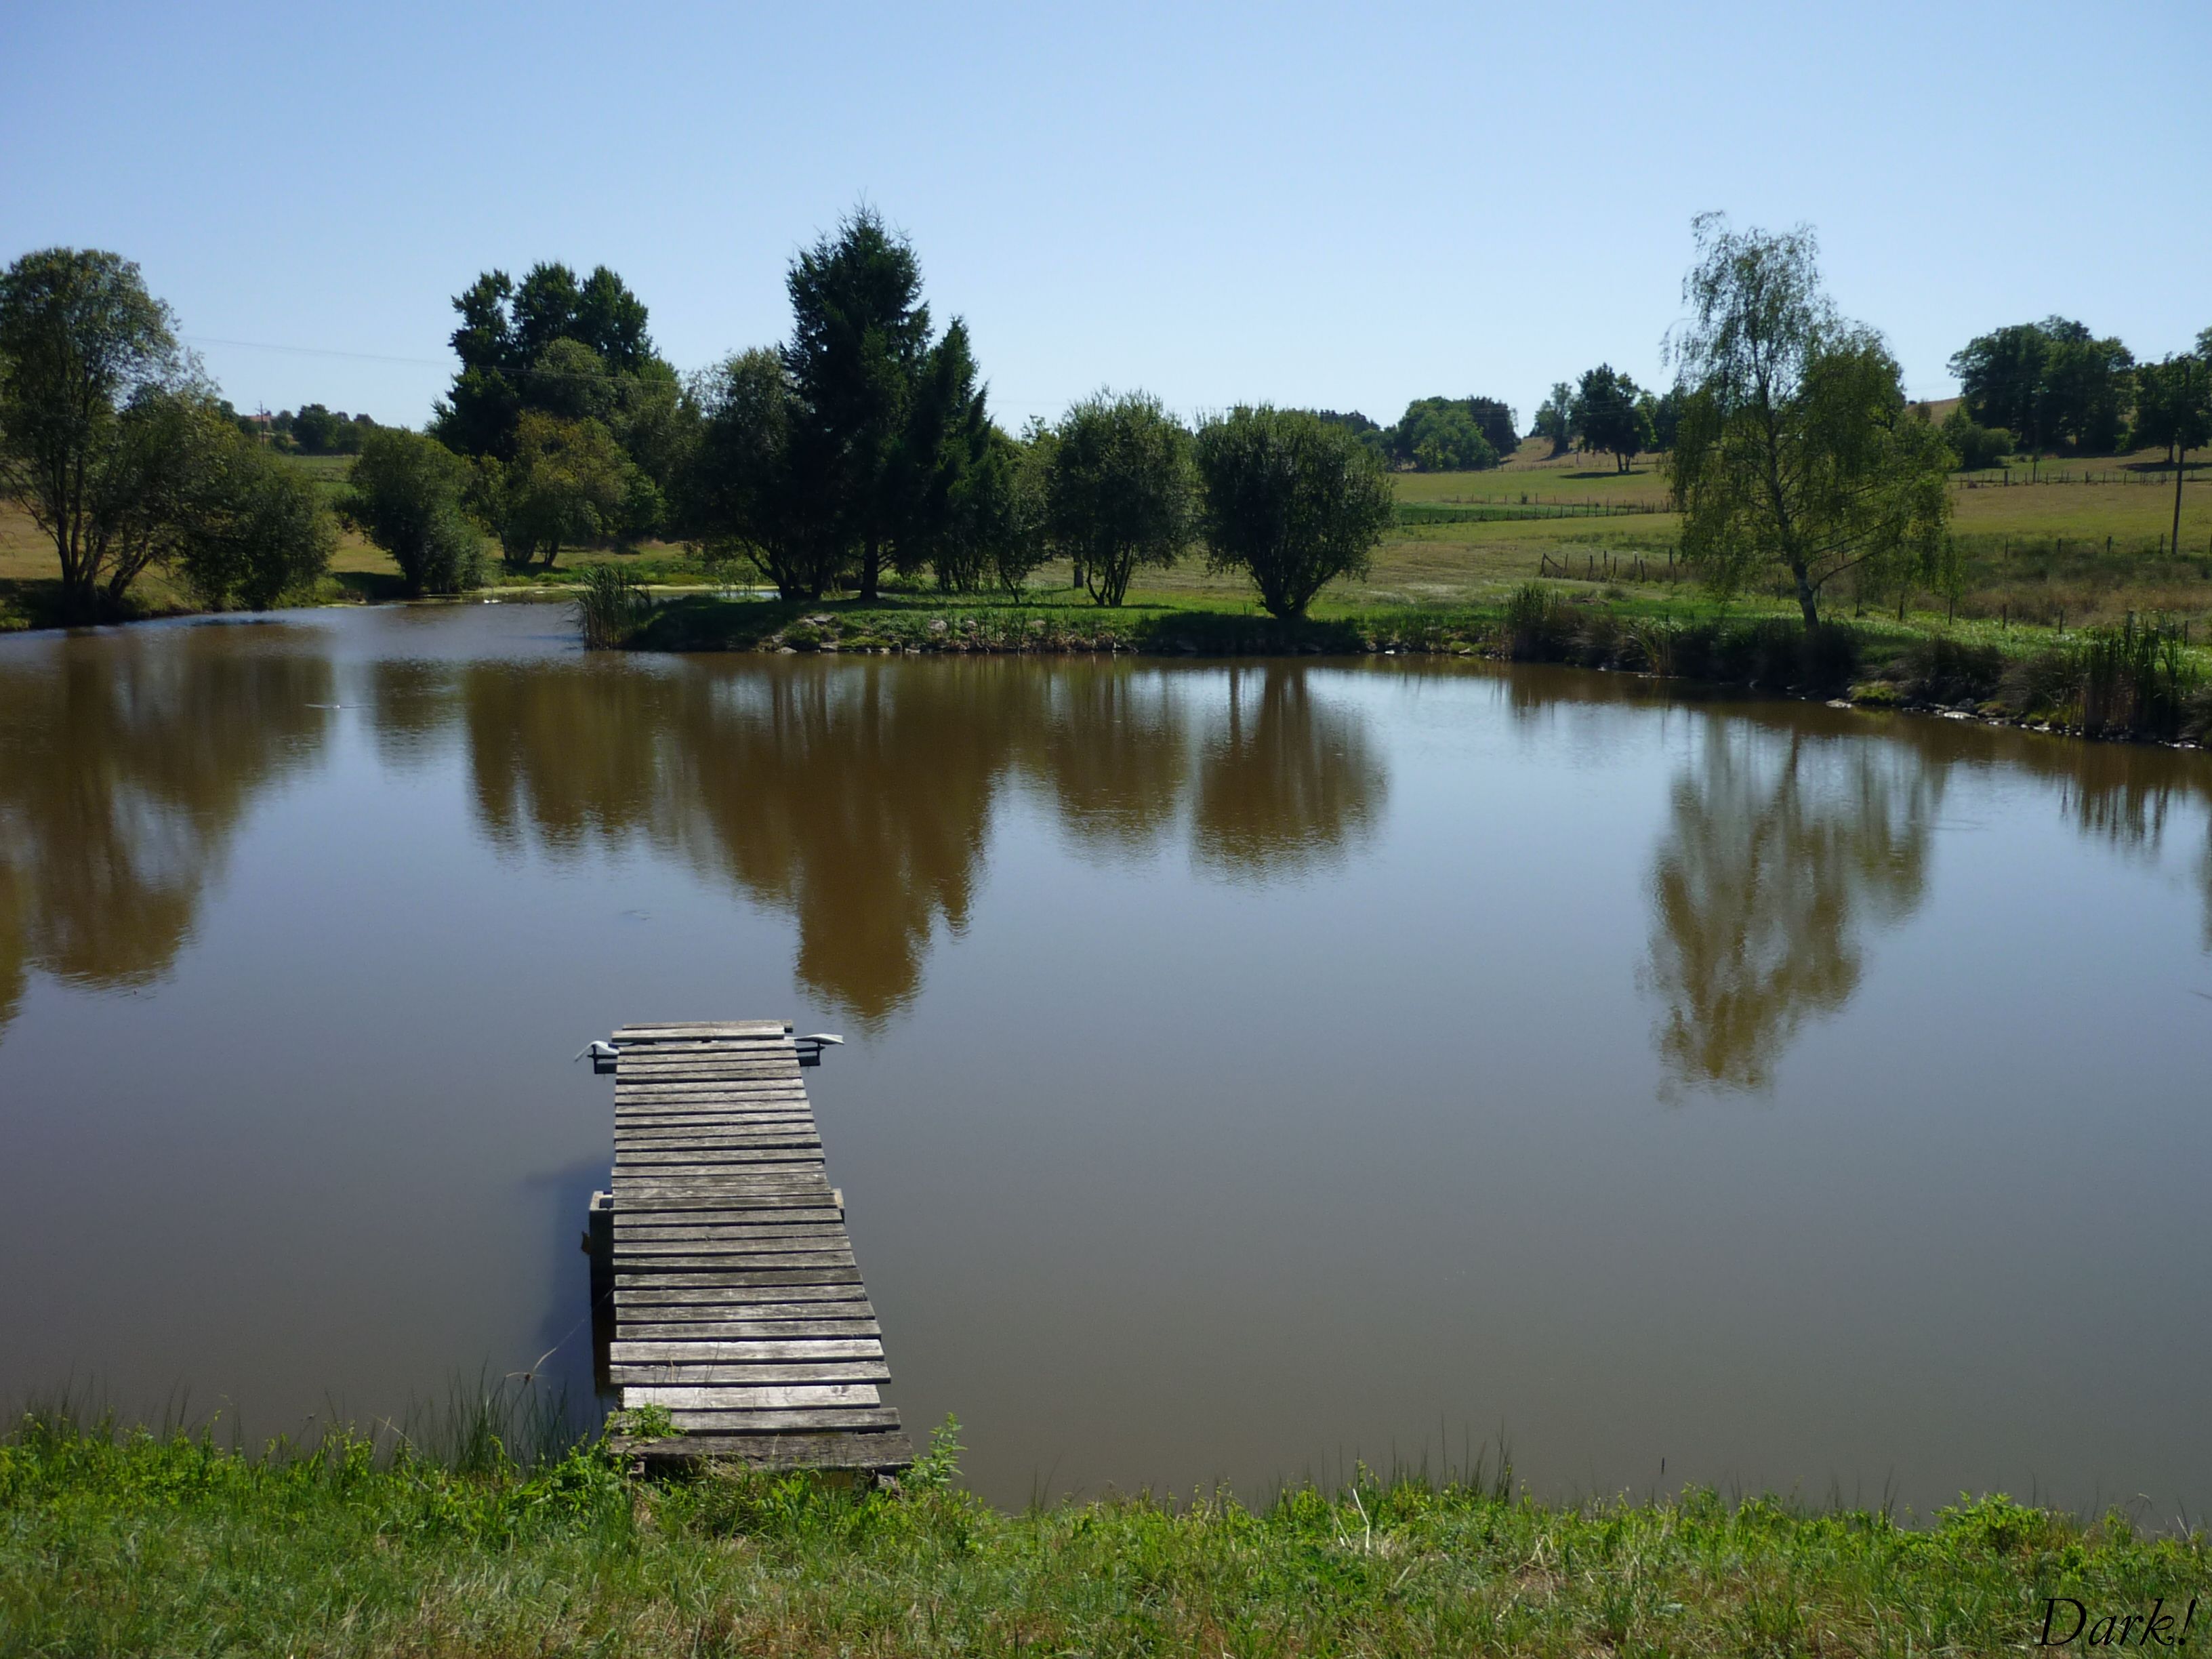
x: 1288, y: 779
x: 126, y: 764
x: 1779, y: 854
x: 858, y: 796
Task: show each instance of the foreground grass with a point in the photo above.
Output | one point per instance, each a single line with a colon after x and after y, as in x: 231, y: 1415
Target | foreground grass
x: 173, y: 1545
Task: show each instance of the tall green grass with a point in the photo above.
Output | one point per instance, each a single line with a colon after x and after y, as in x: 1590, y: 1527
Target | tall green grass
x: 136, y: 1542
x: 2135, y: 679
x: 612, y: 606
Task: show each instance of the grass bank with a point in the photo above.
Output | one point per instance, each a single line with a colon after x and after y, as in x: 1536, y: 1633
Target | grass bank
x: 172, y: 1544
x: 2143, y: 679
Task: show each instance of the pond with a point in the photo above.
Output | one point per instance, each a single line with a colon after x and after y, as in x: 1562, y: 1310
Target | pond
x: 1252, y: 1068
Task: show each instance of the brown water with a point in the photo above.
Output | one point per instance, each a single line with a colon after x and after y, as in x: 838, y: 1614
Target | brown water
x: 1253, y: 1068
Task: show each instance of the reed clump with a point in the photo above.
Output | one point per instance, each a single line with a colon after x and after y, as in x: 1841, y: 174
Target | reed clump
x: 612, y: 607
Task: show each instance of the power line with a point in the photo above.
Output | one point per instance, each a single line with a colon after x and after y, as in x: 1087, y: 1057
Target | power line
x: 311, y: 351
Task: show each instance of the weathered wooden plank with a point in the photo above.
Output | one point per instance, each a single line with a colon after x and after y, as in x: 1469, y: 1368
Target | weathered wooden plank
x: 744, y: 1313
x: 644, y: 1063
x: 737, y: 1249
x: 680, y: 1140
x: 686, y: 1317
x: 731, y: 1120
x: 643, y: 1128
x: 782, y: 1074
x: 673, y: 1195
x: 676, y: 1162
x: 724, y: 1373
x: 711, y: 1102
x: 711, y: 1145
x: 642, y: 1329
x: 679, y: 1133
x: 801, y: 1418
x: 750, y: 1351
x: 696, y: 1397
x: 633, y: 1173
x: 688, y: 1029
x: 670, y: 1194
x: 888, y: 1450
x: 642, y: 1078
x: 727, y: 1188
x: 627, y: 1268
x: 637, y: 1113
x: 734, y: 1306
x: 738, y: 1223
x: 735, y: 1279
x: 760, y: 1205
x: 732, y: 1072
x: 628, y: 1126
x: 688, y: 1241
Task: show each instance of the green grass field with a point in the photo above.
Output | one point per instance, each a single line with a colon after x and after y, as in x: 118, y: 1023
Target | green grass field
x: 2043, y: 554
x: 170, y: 1544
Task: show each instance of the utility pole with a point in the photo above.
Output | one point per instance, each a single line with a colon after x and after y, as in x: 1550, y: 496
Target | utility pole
x: 2181, y: 452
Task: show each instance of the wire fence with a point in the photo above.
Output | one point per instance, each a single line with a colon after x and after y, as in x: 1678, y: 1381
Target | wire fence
x: 2157, y: 476
x: 1483, y: 509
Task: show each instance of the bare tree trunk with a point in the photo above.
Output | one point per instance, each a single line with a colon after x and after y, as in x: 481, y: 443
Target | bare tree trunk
x: 1809, y: 601
x: 871, y: 568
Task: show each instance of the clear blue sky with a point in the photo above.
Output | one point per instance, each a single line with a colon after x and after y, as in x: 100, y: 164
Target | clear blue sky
x: 1344, y: 206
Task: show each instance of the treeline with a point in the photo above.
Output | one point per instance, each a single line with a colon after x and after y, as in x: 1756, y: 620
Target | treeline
x: 859, y: 449
x: 1604, y: 412
x: 2054, y: 387
x: 315, y: 429
x: 864, y: 445
x: 1438, y: 435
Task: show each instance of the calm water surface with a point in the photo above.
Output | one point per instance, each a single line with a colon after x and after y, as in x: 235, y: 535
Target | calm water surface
x: 1252, y: 1068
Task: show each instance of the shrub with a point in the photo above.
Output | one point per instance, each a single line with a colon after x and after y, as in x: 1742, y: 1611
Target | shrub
x: 1539, y: 625
x: 1977, y: 446
x: 1941, y: 669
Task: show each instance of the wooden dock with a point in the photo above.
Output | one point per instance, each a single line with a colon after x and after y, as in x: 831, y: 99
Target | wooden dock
x: 737, y: 1302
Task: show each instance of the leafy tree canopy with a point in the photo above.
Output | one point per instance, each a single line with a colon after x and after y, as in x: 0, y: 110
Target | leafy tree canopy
x: 1118, y: 498
x: 1555, y: 418
x: 2173, y: 403
x: 100, y: 418
x: 1452, y: 434
x: 1291, y: 500
x: 404, y: 495
x: 258, y: 529
x: 2053, y: 384
x: 569, y: 482
x: 1609, y: 415
x: 742, y: 495
x: 572, y: 351
x: 1797, y: 452
x: 863, y: 443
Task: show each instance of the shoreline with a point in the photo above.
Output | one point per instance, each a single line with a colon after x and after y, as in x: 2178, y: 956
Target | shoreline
x: 169, y: 1541
x: 1932, y: 669
x: 1941, y: 671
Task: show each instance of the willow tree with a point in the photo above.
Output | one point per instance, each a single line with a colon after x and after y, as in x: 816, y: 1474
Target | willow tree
x: 1797, y: 456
